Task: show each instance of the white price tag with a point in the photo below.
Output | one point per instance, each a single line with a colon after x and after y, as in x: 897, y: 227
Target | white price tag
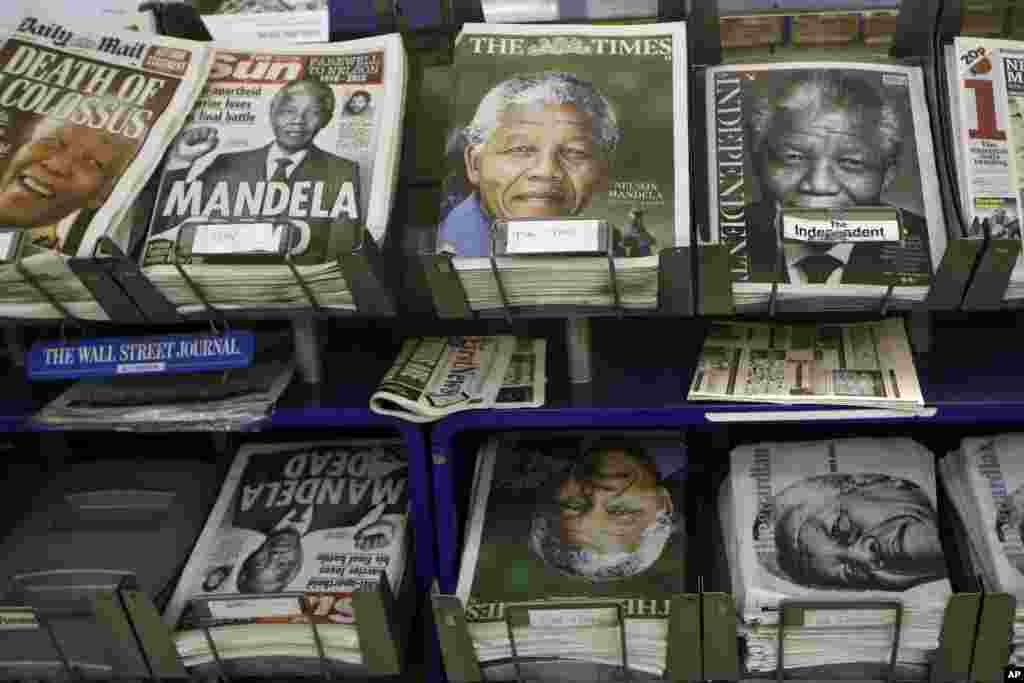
x: 849, y: 617
x: 812, y: 226
x: 243, y: 608
x: 553, y: 237
x: 18, y: 619
x: 246, y: 238
x: 573, y: 618
x: 311, y: 26
x: 7, y: 242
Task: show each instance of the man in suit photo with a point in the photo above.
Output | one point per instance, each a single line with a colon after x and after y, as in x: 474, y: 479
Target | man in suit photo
x: 824, y: 139
x: 298, y: 112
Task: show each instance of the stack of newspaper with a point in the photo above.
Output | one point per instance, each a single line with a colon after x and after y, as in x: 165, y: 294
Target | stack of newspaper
x: 437, y: 376
x: 556, y: 129
x: 985, y: 481
x: 576, y: 544
x: 857, y: 364
x: 987, y: 115
x: 844, y: 521
x: 296, y: 530
x: 90, y: 113
x: 822, y: 184
x: 290, y: 153
x: 273, y: 155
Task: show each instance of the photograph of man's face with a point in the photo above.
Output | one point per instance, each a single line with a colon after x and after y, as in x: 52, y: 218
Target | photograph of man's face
x: 866, y: 532
x: 272, y: 566
x: 297, y: 115
x: 62, y: 169
x: 358, y: 102
x: 609, y: 518
x: 538, y: 163
x: 825, y: 141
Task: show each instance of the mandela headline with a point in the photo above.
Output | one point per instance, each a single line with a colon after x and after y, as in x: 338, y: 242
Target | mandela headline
x: 81, y: 91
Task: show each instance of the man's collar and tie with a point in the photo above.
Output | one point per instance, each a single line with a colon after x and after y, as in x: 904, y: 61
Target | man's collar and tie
x: 281, y: 164
x: 807, y: 266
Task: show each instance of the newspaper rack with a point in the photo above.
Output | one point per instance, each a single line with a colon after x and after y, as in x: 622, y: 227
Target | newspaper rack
x: 995, y: 257
x: 911, y: 46
x: 451, y: 301
x: 375, y: 624
x: 95, y: 598
x: 682, y: 663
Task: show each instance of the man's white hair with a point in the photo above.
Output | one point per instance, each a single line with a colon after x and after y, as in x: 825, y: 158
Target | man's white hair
x: 572, y: 560
x: 544, y: 89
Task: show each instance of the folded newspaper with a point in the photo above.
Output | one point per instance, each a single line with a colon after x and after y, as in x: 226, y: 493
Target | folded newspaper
x: 296, y: 530
x: 985, y: 481
x: 437, y: 376
x: 859, y: 364
x: 846, y: 520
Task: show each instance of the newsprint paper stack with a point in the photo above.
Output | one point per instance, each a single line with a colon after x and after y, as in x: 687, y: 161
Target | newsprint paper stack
x: 554, y: 129
x: 297, y: 528
x: 985, y: 481
x: 987, y: 113
x: 822, y: 181
x: 85, y: 117
x: 437, y: 376
x: 567, y: 530
x: 291, y: 151
x: 844, y: 520
x: 855, y: 364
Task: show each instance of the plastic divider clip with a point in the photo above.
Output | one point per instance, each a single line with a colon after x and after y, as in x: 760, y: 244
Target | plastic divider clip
x: 992, y: 646
x: 956, y: 640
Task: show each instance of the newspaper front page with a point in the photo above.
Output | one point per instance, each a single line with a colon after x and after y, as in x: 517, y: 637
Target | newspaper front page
x: 841, y: 520
x: 573, y: 528
x: 310, y: 522
x: 84, y: 118
x: 859, y: 364
x: 287, y: 151
x: 438, y: 376
x: 987, y: 88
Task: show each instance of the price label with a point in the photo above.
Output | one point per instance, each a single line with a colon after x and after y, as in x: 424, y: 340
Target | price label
x: 554, y: 237
x: 872, y: 225
x: 574, y: 618
x: 252, y: 608
x: 218, y: 238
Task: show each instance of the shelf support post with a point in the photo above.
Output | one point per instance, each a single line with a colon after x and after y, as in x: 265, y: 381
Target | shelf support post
x: 577, y: 340
x: 308, y: 359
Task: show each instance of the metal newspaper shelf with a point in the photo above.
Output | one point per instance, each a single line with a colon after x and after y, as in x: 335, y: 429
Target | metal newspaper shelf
x: 912, y: 45
x: 996, y: 256
x: 131, y: 640
x: 702, y: 640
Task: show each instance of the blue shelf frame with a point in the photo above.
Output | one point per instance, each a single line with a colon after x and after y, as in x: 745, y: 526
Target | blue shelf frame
x: 973, y: 375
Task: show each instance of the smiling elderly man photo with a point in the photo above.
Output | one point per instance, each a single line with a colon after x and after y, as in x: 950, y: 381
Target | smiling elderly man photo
x: 539, y: 146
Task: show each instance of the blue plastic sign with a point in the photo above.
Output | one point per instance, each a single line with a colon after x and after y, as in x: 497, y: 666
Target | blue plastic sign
x: 111, y: 356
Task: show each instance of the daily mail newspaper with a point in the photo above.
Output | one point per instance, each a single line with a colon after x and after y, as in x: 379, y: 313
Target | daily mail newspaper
x: 84, y: 119
x: 839, y: 520
x: 437, y: 376
x: 986, y: 85
x: 308, y: 522
x: 859, y: 364
x: 287, y: 150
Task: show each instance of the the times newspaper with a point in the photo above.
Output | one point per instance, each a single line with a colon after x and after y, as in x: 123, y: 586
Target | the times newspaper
x: 331, y: 114
x: 859, y: 364
x: 314, y: 520
x: 554, y: 526
x: 840, y: 520
x: 986, y: 85
x: 437, y: 376
x: 84, y: 119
